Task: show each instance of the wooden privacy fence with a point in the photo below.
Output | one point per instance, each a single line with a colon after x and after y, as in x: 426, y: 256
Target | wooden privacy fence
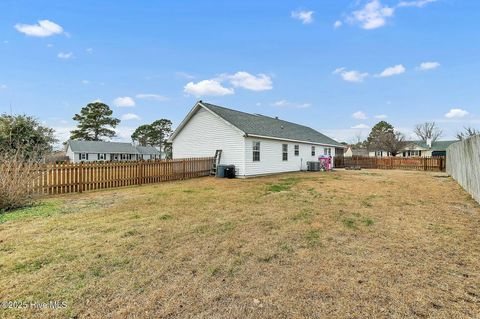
x: 71, y: 178
x: 436, y: 164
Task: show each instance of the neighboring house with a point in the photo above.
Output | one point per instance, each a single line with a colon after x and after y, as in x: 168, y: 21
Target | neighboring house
x: 418, y: 149
x: 149, y: 153
x: 356, y: 152
x: 93, y: 151
x: 255, y: 144
x: 426, y: 149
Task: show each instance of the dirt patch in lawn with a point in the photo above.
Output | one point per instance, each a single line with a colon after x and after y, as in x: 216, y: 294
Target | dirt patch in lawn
x: 347, y: 244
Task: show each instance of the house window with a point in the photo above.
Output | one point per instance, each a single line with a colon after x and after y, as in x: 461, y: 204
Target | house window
x: 313, y: 150
x: 123, y: 157
x: 256, y: 151
x: 379, y: 153
x: 285, y: 152
x: 101, y: 157
x: 327, y: 151
x: 297, y: 150
x: 83, y: 156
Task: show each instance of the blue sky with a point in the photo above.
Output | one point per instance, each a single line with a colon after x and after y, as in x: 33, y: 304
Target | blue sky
x: 338, y: 66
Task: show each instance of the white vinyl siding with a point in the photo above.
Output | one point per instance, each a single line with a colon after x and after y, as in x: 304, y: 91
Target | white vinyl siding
x: 271, y: 157
x: 206, y: 132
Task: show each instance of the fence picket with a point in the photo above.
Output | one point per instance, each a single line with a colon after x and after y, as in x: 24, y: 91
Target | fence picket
x: 71, y: 178
x: 436, y: 164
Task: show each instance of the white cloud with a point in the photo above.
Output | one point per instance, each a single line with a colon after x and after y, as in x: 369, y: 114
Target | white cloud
x: 418, y: 3
x: 207, y: 87
x: 350, y: 76
x: 394, y: 70
x: 428, y: 66
x: 361, y: 126
x: 85, y: 82
x: 337, y: 24
x: 285, y: 103
x: 5, y: 41
x: 125, y: 101
x: 359, y: 115
x: 373, y: 15
x: 89, y: 50
x: 124, y: 133
x: 305, y: 16
x: 130, y: 116
x: 44, y: 28
x: 380, y: 116
x: 260, y: 82
x: 456, y: 114
x: 184, y: 75
x: 153, y: 97
x: 3, y: 86
x: 65, y: 55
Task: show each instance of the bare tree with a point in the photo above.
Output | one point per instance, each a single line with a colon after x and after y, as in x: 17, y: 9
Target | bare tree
x: 428, y: 131
x: 393, y: 142
x: 467, y: 132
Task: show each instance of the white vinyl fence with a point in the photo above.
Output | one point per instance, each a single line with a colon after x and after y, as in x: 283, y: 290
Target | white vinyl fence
x: 463, y: 164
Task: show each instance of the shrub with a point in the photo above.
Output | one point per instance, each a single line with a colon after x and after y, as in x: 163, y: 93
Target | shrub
x: 17, y: 174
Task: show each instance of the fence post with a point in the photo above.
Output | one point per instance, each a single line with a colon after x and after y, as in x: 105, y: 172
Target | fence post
x: 183, y: 169
x: 80, y: 177
x: 139, y: 173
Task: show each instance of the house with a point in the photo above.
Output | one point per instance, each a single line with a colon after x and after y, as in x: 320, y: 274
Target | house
x: 426, y: 148
x: 418, y: 149
x: 149, y: 153
x: 254, y: 143
x: 351, y: 151
x: 93, y: 151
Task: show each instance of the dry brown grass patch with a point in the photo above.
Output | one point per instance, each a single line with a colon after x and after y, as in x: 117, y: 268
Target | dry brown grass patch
x: 380, y: 244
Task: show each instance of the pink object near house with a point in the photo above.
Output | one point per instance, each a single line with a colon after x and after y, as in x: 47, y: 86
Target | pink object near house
x: 326, y: 162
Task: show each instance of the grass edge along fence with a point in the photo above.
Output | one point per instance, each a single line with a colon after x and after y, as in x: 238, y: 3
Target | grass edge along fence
x: 77, y: 178
x: 434, y: 164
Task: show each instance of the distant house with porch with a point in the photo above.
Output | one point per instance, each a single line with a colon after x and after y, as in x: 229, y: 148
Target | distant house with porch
x: 419, y: 149
x: 93, y: 151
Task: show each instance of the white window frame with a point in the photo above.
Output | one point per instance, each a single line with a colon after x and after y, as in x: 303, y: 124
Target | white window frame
x: 296, y: 150
x: 313, y: 151
x: 83, y: 156
x: 284, y: 152
x: 256, y: 151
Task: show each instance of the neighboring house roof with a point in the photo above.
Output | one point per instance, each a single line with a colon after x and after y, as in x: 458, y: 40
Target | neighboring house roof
x: 101, y: 147
x: 264, y: 126
x: 148, y: 150
x: 436, y: 146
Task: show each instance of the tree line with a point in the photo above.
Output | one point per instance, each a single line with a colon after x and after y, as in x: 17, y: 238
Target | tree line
x: 384, y: 137
x: 95, y: 122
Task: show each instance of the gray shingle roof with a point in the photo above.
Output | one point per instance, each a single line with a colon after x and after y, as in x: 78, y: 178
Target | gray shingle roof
x: 101, y: 147
x: 147, y: 150
x: 436, y: 146
x: 255, y: 124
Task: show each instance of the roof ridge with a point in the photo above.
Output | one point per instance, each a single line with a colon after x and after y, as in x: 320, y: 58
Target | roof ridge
x: 257, y: 114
